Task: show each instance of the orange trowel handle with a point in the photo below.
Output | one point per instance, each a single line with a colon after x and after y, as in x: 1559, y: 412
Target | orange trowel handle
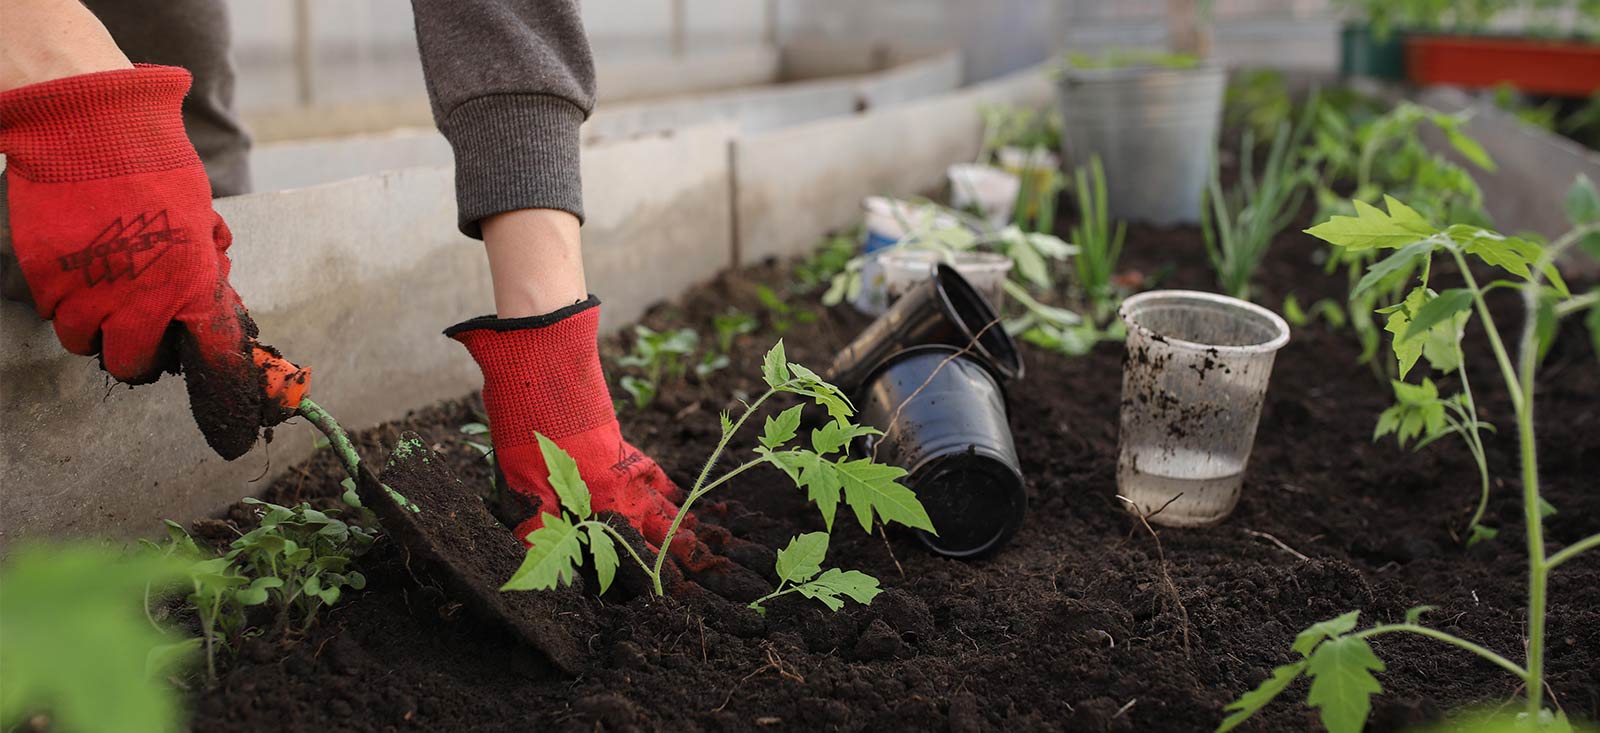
x: 286, y: 383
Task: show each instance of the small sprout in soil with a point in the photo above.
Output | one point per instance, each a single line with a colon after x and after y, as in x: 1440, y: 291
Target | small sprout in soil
x: 1339, y: 662
x: 782, y: 315
x: 872, y: 490
x: 660, y: 357
x: 830, y: 259
x: 77, y: 654
x: 1326, y: 309
x: 218, y: 592
x: 307, y: 552
x: 1099, y: 242
x: 800, y: 571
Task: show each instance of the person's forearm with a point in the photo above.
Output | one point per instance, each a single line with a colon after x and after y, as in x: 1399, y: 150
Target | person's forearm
x: 42, y: 40
x: 535, y: 261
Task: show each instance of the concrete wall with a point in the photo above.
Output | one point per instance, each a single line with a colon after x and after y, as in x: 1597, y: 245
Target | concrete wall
x: 793, y: 184
x: 357, y: 279
x: 298, y: 163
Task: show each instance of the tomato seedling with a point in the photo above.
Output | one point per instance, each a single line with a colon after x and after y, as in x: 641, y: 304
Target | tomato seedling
x: 871, y: 490
x: 1337, y: 658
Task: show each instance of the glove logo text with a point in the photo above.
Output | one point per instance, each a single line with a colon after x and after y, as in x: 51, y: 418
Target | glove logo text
x: 125, y: 248
x: 626, y: 458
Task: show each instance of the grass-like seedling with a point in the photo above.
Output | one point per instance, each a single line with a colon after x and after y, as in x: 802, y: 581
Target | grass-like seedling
x: 1239, y: 224
x: 1337, y: 658
x: 823, y: 469
x: 1099, y: 243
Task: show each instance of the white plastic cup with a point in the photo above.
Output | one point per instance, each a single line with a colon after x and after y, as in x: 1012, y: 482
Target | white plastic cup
x: 904, y: 269
x: 888, y: 221
x: 1193, y: 382
x: 1021, y: 161
x: 992, y: 190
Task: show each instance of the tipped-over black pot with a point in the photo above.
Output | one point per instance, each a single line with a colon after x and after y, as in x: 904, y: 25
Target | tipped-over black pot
x: 944, y: 310
x: 943, y: 417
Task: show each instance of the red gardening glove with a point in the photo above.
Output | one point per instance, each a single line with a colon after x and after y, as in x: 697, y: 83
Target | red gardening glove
x: 542, y: 375
x: 112, y: 224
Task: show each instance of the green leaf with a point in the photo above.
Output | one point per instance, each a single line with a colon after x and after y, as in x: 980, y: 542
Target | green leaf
x: 836, y: 435
x: 1342, y: 684
x: 781, y: 428
x: 1251, y: 702
x: 816, y: 476
x: 1313, y: 635
x: 1403, y: 260
x: 564, y: 478
x: 1468, y: 148
x: 350, y: 496
x: 1406, y: 351
x: 1414, y: 614
x: 1546, y: 509
x: 870, y: 487
x: 802, y: 559
x: 553, y: 551
x: 853, y: 584
x: 1293, y: 313
x: 1371, y: 228
x: 1582, y: 202
x: 605, y: 555
x: 75, y: 643
x: 256, y: 594
x: 1436, y: 310
x: 1480, y: 533
x: 1592, y: 320
x: 774, y: 367
x: 1544, y: 325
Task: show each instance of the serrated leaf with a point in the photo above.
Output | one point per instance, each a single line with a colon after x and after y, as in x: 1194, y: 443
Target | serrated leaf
x: 781, y: 428
x: 1307, y: 640
x: 726, y: 421
x: 774, y: 367
x: 1414, y: 614
x: 1342, y: 684
x: 605, y: 555
x: 1436, y: 310
x: 1370, y: 228
x: 872, y: 487
x: 1251, y: 702
x: 802, y: 559
x: 553, y: 552
x: 564, y: 478
x: 835, y: 435
x: 853, y: 584
x: 1402, y: 260
x: 1406, y: 351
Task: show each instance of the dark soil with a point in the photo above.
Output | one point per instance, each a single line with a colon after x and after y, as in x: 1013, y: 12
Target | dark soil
x: 1072, y: 626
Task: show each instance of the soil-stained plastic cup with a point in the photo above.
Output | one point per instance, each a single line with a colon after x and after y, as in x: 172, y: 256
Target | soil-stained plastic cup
x: 1193, y: 383
x: 943, y: 417
x: 945, y: 309
x: 990, y: 190
x: 905, y: 268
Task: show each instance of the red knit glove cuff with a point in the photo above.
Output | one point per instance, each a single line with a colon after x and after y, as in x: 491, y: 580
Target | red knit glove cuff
x: 540, y: 374
x: 100, y: 125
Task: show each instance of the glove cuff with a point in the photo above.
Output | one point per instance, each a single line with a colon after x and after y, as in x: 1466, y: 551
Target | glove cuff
x: 540, y: 374
x: 100, y: 125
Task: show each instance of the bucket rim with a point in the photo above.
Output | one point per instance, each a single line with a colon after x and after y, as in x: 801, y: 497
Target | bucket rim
x: 1132, y: 305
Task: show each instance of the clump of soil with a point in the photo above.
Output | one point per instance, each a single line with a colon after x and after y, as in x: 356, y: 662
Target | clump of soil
x: 1072, y: 626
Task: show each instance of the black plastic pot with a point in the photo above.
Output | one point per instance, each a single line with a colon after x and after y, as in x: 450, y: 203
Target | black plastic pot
x: 944, y: 310
x: 943, y: 415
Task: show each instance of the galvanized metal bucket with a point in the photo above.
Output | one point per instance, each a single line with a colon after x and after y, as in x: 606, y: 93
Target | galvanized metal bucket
x: 1154, y: 130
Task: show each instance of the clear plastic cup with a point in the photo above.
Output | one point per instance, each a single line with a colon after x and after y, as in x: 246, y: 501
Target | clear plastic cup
x: 992, y: 190
x: 904, y: 268
x: 889, y: 220
x: 1193, y: 382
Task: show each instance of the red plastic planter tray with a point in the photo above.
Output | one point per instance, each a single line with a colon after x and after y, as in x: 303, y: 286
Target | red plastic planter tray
x: 1531, y: 65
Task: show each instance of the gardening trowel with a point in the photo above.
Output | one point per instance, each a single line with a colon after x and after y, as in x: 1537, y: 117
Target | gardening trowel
x: 450, y: 540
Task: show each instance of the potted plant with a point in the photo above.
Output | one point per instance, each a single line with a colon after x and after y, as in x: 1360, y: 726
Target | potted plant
x: 1541, y: 57
x: 1152, y: 119
x: 1371, y: 39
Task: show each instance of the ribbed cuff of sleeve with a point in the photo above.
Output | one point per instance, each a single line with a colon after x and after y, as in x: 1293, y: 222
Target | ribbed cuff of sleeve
x: 514, y: 151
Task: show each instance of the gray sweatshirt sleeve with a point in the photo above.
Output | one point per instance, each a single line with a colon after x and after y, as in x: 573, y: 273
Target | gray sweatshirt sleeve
x: 510, y: 81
